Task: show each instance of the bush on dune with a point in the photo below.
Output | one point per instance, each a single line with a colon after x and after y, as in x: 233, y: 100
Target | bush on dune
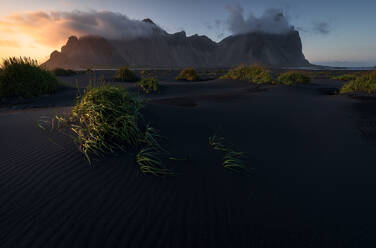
x: 188, y: 74
x: 255, y: 73
x: 60, y: 72
x: 107, y: 119
x: 294, y: 77
x: 365, y: 83
x: 345, y: 77
x: 148, y: 85
x: 23, y: 77
x: 124, y: 74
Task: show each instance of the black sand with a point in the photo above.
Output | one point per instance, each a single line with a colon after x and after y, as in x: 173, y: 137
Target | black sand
x: 312, y: 183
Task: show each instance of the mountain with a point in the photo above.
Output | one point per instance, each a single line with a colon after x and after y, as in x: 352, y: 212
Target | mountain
x: 161, y: 49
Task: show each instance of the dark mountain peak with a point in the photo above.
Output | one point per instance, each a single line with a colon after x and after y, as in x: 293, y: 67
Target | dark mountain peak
x: 148, y: 20
x: 161, y: 49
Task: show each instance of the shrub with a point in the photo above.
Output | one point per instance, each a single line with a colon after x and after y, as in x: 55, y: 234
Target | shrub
x: 188, y: 74
x: 60, y: 72
x: 22, y: 77
x: 365, y: 83
x: 148, y: 85
x: 255, y: 73
x: 345, y: 77
x: 294, y: 77
x: 124, y: 74
x: 105, y: 119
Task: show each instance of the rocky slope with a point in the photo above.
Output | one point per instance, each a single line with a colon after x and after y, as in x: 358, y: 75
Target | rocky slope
x: 177, y: 50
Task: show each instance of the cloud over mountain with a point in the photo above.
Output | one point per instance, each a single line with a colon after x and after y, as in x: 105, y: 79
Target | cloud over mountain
x: 272, y: 21
x: 54, y: 27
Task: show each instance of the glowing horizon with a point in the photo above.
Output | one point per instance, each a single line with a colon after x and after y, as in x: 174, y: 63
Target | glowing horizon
x: 327, y: 32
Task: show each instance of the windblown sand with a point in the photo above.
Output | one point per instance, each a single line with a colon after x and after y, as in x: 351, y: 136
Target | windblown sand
x: 312, y: 182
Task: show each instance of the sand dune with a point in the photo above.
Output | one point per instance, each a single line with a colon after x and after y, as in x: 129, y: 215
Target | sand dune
x: 312, y: 183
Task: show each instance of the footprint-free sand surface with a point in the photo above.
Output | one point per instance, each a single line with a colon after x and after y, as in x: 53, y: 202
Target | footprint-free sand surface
x: 311, y: 155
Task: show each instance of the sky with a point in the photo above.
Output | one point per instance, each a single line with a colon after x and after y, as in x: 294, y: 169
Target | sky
x: 333, y: 32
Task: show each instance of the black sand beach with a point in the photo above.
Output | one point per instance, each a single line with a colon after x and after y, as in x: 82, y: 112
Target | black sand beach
x: 312, y: 180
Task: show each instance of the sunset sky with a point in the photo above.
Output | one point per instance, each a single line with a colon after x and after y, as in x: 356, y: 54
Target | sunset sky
x: 333, y: 32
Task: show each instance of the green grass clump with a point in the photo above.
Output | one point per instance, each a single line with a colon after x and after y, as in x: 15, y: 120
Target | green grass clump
x: 124, y: 74
x: 148, y: 85
x: 365, y: 83
x: 255, y: 73
x: 149, y: 160
x: 188, y: 74
x: 294, y: 77
x: 106, y: 119
x: 232, y: 160
x: 345, y: 77
x: 60, y: 72
x: 23, y: 77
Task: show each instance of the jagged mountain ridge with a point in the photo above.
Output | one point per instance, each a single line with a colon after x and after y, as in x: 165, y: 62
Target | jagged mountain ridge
x: 162, y: 49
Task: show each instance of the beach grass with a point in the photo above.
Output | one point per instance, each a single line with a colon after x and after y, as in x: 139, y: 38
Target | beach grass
x: 365, y: 83
x: 294, y: 77
x: 188, y: 74
x: 232, y: 159
x: 124, y: 74
x: 23, y: 77
x: 345, y: 77
x: 256, y: 73
x: 60, y: 72
x: 149, y: 85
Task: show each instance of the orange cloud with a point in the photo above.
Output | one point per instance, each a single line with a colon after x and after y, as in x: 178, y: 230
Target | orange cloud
x: 52, y: 29
x: 9, y: 43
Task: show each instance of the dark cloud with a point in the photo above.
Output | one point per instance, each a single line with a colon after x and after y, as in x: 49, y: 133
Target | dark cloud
x: 321, y: 28
x: 54, y: 27
x: 271, y: 21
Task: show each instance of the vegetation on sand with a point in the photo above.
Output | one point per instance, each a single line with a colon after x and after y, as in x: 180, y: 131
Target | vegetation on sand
x: 255, y: 73
x: 106, y: 119
x: 60, y: 72
x: 188, y: 74
x: 149, y: 85
x: 23, y: 77
x: 294, y: 77
x: 345, y: 77
x: 124, y: 74
x: 232, y: 160
x: 365, y: 83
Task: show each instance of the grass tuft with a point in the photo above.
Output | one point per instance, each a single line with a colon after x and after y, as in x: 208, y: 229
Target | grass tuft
x: 105, y: 119
x: 345, y: 77
x: 60, y: 72
x: 188, y: 74
x: 23, y: 77
x: 124, y: 74
x: 294, y: 77
x: 150, y: 162
x: 232, y: 160
x: 365, y: 83
x: 255, y: 73
x: 148, y: 85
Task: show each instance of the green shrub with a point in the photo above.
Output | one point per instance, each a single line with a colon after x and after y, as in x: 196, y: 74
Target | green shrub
x: 255, y: 73
x: 105, y: 119
x: 60, y: 72
x: 188, y: 74
x: 22, y: 77
x: 345, y: 77
x: 148, y: 85
x: 365, y: 83
x: 294, y: 77
x: 124, y: 74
